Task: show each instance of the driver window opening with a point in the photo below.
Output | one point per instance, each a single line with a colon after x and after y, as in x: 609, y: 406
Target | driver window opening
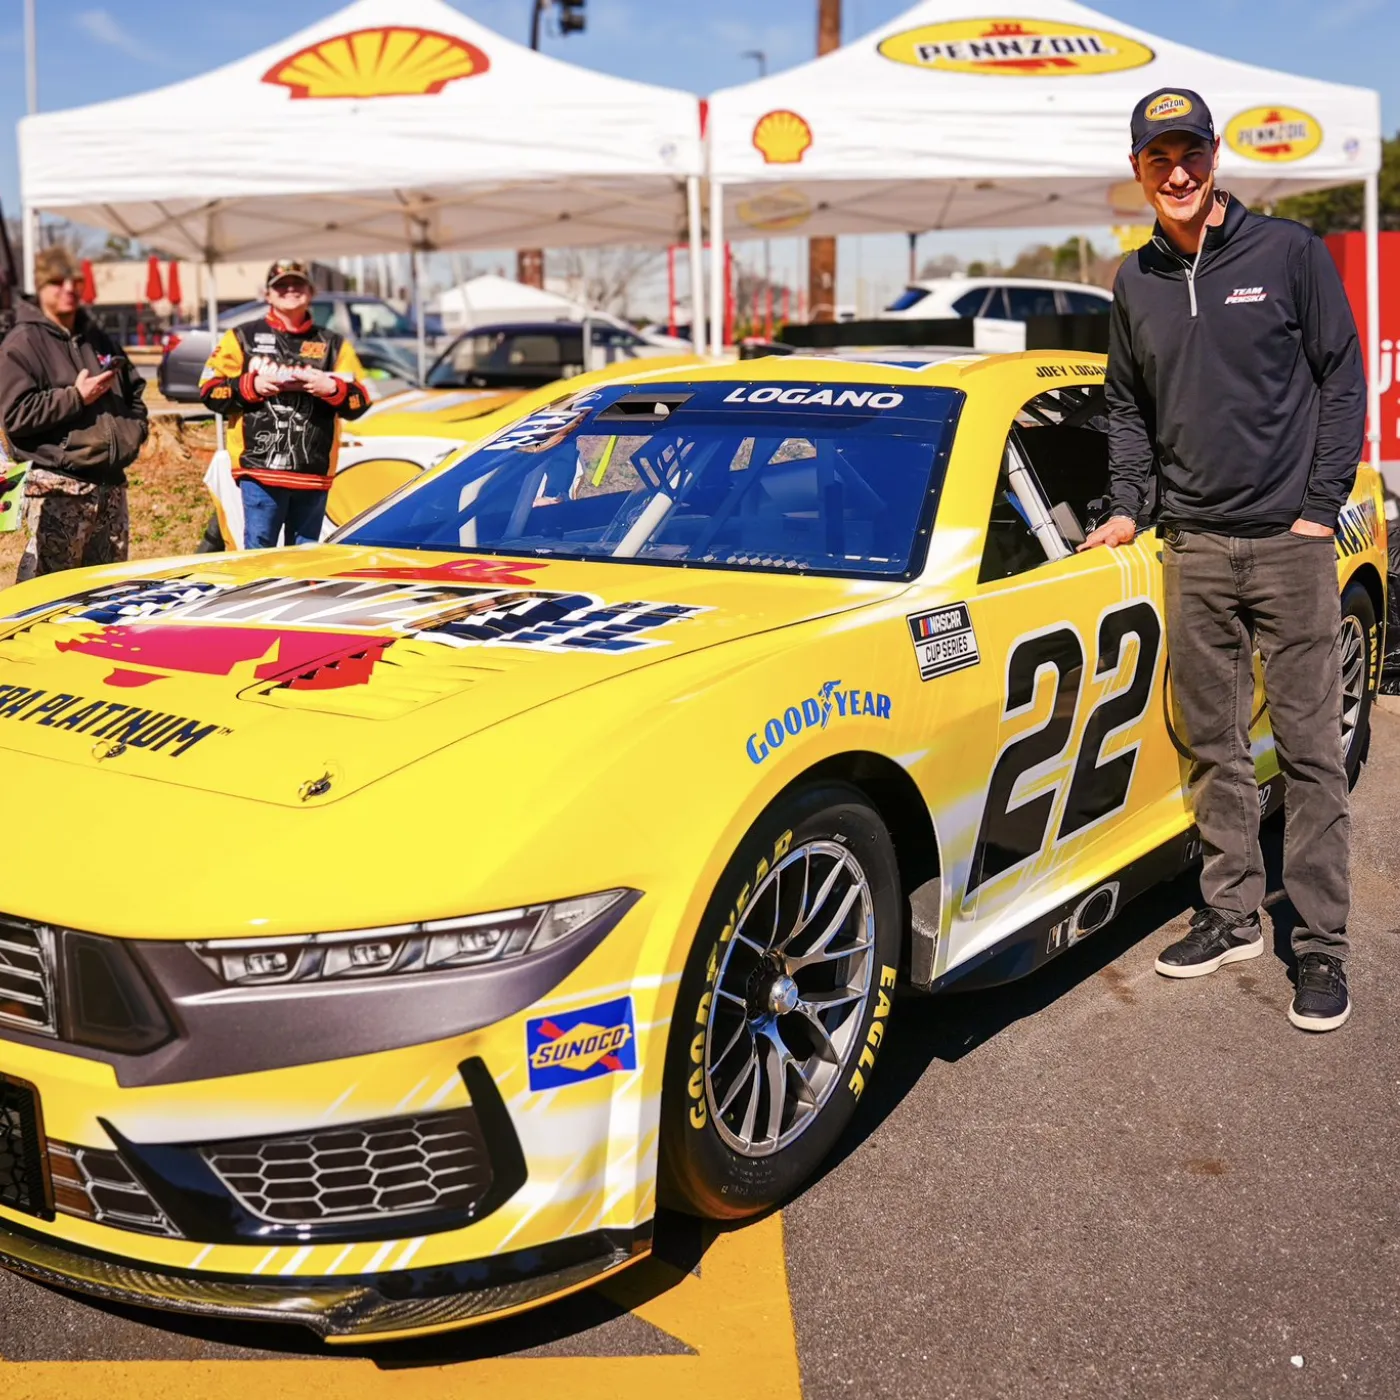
x: 1052, y: 487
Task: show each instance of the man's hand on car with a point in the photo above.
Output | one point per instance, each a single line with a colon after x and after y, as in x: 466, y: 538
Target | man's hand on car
x: 93, y: 386
x: 1119, y: 530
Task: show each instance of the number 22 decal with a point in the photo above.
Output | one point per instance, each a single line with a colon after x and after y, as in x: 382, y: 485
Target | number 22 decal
x: 1010, y: 834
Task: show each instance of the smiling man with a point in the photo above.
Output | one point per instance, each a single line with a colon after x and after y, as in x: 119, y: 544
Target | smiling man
x: 1235, y: 386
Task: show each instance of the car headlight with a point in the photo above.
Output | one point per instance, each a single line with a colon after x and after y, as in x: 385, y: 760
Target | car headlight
x: 435, y: 945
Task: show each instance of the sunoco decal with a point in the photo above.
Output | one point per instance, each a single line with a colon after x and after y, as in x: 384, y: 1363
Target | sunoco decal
x: 580, y: 1045
x: 944, y: 640
x: 1015, y: 48
x: 1274, y: 134
x: 816, y: 712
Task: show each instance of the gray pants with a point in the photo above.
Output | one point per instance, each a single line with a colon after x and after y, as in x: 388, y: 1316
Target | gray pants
x: 1224, y: 597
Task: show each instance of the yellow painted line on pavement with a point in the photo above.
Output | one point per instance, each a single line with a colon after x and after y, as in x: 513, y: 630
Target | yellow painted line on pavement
x: 735, y: 1317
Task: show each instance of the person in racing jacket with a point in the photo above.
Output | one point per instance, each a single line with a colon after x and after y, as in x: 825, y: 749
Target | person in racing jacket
x: 283, y: 381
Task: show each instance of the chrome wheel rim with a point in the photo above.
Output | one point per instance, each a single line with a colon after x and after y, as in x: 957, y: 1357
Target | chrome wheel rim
x: 789, y: 997
x: 1353, y: 680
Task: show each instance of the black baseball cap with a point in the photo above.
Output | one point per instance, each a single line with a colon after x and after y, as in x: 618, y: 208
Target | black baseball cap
x: 289, y: 267
x: 1171, y: 109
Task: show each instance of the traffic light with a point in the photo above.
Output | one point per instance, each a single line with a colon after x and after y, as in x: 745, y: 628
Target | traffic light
x: 571, y: 16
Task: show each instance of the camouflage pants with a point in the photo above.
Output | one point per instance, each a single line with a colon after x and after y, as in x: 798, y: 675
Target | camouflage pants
x: 71, y: 524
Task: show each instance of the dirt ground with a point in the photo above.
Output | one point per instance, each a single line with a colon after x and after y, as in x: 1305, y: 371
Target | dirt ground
x: 169, y: 505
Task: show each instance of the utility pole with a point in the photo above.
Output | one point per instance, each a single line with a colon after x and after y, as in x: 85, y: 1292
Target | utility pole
x: 529, y: 262
x: 821, y: 252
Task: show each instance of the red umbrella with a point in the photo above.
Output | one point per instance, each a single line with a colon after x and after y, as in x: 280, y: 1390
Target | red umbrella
x: 89, y: 293
x: 172, y: 284
x: 155, y: 291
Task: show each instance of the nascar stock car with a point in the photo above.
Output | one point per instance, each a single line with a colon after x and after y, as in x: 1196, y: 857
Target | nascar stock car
x: 434, y: 902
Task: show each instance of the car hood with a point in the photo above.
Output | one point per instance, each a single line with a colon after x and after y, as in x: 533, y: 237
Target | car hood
x: 283, y: 676
x: 417, y: 411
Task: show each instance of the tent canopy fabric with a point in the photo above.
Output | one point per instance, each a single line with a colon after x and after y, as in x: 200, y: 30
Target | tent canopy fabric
x: 390, y: 124
x: 488, y: 297
x: 937, y: 120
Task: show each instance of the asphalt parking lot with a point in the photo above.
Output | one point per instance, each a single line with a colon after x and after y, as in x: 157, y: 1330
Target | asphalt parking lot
x: 1096, y: 1183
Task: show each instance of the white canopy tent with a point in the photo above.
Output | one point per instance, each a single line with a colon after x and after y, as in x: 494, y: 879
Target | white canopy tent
x: 937, y: 120
x: 489, y: 297
x: 392, y: 124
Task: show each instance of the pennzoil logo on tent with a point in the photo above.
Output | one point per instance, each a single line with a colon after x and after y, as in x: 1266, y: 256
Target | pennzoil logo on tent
x: 1016, y: 48
x: 1273, y: 134
x: 773, y: 211
x: 1169, y: 105
x: 782, y: 137
x: 383, y: 62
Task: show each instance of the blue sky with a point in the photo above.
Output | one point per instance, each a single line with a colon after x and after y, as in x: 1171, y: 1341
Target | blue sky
x: 91, y: 52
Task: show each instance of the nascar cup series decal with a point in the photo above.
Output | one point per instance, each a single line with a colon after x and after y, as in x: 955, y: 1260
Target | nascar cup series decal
x: 816, y: 712
x: 579, y: 1045
x: 944, y: 640
x: 1274, y: 134
x: 1015, y: 48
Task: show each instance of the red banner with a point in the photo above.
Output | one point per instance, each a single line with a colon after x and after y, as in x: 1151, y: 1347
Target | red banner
x: 1349, y: 252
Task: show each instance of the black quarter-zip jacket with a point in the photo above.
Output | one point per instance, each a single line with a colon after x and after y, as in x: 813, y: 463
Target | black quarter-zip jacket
x: 1237, y: 375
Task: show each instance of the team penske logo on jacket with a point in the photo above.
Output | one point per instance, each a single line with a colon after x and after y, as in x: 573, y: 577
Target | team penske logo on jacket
x: 580, y: 1045
x: 1246, y: 294
x: 1273, y: 134
x: 1015, y: 48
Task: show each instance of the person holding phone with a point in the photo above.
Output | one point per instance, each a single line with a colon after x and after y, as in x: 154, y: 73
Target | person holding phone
x: 71, y: 406
x: 284, y: 382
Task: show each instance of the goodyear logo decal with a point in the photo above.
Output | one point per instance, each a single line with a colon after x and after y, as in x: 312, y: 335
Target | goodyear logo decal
x: 1273, y: 134
x: 1015, y: 48
x: 579, y: 1045
x: 1169, y: 105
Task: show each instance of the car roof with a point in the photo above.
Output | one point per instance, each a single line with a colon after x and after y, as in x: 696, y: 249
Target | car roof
x: 959, y: 369
x: 960, y: 282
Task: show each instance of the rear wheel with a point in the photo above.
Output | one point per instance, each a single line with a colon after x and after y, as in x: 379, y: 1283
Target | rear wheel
x: 782, y: 1006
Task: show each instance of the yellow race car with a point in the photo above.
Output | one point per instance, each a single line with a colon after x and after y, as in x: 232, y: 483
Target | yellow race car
x: 391, y: 924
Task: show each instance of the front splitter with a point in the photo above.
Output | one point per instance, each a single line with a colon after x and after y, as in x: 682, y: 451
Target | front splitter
x: 367, y: 1307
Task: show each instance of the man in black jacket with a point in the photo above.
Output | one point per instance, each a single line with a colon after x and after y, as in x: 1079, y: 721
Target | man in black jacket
x: 1235, y: 376
x: 70, y: 403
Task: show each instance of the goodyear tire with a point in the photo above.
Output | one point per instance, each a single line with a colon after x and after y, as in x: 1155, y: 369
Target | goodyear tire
x: 783, y: 1005
x: 1360, y: 646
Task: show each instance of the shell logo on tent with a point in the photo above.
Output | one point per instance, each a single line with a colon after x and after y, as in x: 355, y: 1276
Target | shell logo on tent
x: 1274, y: 134
x: 773, y: 211
x: 383, y: 62
x: 1016, y: 48
x: 782, y: 137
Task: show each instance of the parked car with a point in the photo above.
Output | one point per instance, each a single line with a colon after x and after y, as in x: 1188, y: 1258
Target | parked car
x: 996, y: 298
x: 528, y: 354
x: 385, y: 340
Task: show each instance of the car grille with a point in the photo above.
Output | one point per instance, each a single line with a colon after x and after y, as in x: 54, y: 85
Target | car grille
x: 21, y: 1149
x: 401, y: 1166
x: 98, y: 1186
x: 26, y: 977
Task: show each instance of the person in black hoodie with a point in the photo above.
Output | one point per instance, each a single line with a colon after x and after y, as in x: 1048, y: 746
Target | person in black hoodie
x: 70, y: 404
x: 1235, y: 379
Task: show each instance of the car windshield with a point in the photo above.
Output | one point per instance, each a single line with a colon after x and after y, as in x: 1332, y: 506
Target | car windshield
x: 546, y: 352
x: 794, y: 477
x: 910, y: 296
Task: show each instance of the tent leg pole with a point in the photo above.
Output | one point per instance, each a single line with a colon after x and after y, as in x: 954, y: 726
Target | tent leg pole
x: 415, y: 261
x: 1373, y: 313
x: 716, y: 267
x: 29, y: 220
x: 212, y: 290
x: 697, y: 264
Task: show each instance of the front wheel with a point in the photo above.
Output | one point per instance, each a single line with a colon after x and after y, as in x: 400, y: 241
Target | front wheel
x: 1359, y: 645
x: 782, y: 1006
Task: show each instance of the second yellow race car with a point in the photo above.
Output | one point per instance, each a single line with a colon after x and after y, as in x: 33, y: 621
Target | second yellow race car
x: 409, y: 915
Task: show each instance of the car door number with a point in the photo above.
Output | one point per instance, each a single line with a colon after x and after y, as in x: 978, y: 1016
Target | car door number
x: 1012, y: 833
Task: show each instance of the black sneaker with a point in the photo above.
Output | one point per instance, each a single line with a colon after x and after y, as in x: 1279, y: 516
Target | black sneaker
x: 1321, y: 1002
x: 1215, y: 939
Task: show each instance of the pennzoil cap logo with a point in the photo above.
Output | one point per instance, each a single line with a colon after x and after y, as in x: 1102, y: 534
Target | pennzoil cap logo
x: 387, y: 61
x: 1015, y: 48
x: 1274, y: 134
x: 1171, y: 104
x: 575, y: 1046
